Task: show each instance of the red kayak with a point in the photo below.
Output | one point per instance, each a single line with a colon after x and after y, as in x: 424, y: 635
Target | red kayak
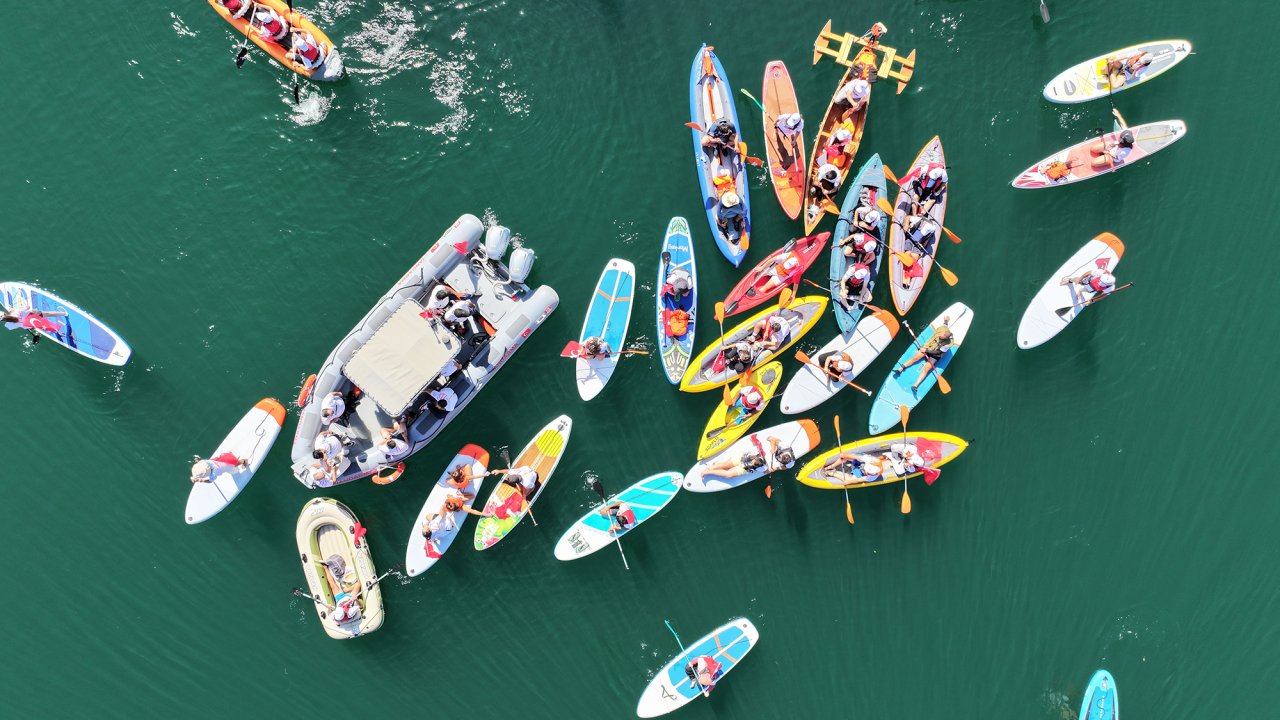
x: 782, y: 268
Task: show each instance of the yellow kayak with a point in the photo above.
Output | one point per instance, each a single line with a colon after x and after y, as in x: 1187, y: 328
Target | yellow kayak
x: 708, y: 370
x: 941, y: 446
x: 722, y: 430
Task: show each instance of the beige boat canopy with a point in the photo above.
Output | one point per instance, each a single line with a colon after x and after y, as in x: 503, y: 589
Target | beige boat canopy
x: 404, y: 355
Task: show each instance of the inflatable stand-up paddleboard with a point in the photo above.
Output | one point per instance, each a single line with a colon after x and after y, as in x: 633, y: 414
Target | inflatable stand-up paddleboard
x: 1088, y: 81
x: 811, y: 386
x: 672, y: 689
x: 1056, y: 305
x: 594, y: 531
x: 505, y: 504
x: 77, y: 330
x: 676, y: 349
x: 608, y: 315
x: 896, y: 390
x: 801, y: 436
x: 422, y: 554
x: 251, y: 439
x: 1100, y: 699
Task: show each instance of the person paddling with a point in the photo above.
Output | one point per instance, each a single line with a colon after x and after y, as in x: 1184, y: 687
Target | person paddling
x: 790, y: 127
x: 1109, y: 155
x: 622, y: 516
x: 731, y: 217
x: 927, y: 187
x: 786, y: 271
x: 1118, y: 71
x: 721, y: 139
x: 679, y: 283
x: 836, y: 364
x: 749, y: 460
x: 594, y: 348
x: 852, y: 96
x: 703, y: 672
x: 306, y: 51
x: 931, y: 352
x: 854, y: 284
x: 1092, y: 283
x: 747, y: 400
x: 269, y: 25
x: 238, y: 8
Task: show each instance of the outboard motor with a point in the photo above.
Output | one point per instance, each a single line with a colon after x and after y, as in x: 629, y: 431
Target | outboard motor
x: 496, y: 240
x: 521, y: 264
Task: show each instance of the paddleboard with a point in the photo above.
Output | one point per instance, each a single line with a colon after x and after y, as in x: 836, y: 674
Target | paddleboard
x: 711, y: 98
x: 816, y: 474
x: 1148, y: 139
x: 1087, y: 80
x: 251, y: 439
x: 608, y: 315
x: 810, y: 386
x: 896, y: 390
x: 417, y: 558
x: 905, y: 283
x: 543, y: 454
x: 800, y: 435
x: 1056, y: 305
x: 77, y: 331
x: 867, y: 188
x: 672, y: 689
x: 785, y: 154
x: 718, y: 433
x: 801, y: 315
x: 752, y: 290
x: 1100, y: 699
x: 594, y: 531
x: 676, y: 350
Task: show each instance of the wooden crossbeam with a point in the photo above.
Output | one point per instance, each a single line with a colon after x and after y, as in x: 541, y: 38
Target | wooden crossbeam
x: 892, y: 65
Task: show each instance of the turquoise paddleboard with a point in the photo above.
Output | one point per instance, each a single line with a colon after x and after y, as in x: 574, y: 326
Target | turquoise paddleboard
x: 593, y: 531
x: 897, y: 391
x: 1100, y: 699
x: 608, y: 315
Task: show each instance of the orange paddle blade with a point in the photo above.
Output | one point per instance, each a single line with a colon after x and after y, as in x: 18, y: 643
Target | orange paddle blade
x: 744, y: 242
x: 906, y: 501
x: 884, y: 205
x: 719, y: 311
x: 848, y: 511
x: 785, y: 297
x: 694, y: 126
x: 768, y: 491
x: 950, y: 235
x: 904, y: 413
x: 889, y: 175
x: 804, y: 358
x: 943, y: 385
x: 905, y: 258
x: 947, y: 276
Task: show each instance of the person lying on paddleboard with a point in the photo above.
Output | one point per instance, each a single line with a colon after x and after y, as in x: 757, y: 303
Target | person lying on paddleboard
x: 204, y: 470
x: 853, y: 284
x: 621, y: 516
x: 1091, y: 284
x: 703, y: 673
x: 594, y: 348
x: 931, y: 352
x: 786, y: 271
x: 1120, y: 71
x: 863, y: 468
x: 749, y: 461
x: 721, y: 140
x: 31, y: 321
x: 731, y: 218
x: 747, y: 400
x: 1108, y: 155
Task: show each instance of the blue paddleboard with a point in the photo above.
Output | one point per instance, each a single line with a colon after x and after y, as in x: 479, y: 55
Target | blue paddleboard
x: 676, y: 351
x: 78, y: 331
x: 1100, y: 699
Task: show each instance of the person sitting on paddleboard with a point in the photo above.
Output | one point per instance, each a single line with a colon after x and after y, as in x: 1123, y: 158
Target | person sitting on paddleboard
x: 772, y: 332
x: 305, y: 51
x: 786, y: 271
x: 828, y: 181
x: 731, y: 218
x: 442, y: 520
x: 332, y: 408
x: 594, y: 348
x: 852, y: 96
x: 461, y: 478
x: 269, y: 24
x: 854, y: 284
x: 1108, y: 155
x: 931, y: 352
x: 1092, y: 283
x: 750, y: 460
x: 621, y: 516
x: 721, y: 139
x: 1118, y: 72
x: 523, y: 478
x: 836, y: 364
x: 679, y: 283
x: 703, y: 673
x: 863, y: 468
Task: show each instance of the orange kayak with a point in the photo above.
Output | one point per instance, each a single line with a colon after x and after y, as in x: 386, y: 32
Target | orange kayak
x: 785, y: 154
x: 329, y: 65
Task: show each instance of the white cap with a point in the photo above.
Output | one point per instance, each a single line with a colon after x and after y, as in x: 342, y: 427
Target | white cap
x: 938, y: 174
x: 844, y: 366
x: 861, y: 272
x: 753, y: 394
x: 873, y: 216
x: 870, y: 246
x: 202, y: 470
x: 729, y: 199
x: 723, y: 171
x: 861, y: 86
x: 794, y: 120
x: 843, y: 134
x: 1107, y: 279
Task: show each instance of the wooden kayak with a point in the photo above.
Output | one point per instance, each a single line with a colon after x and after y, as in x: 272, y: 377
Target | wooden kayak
x: 785, y: 154
x: 824, y: 473
x: 905, y: 283
x: 750, y: 291
x: 721, y: 430
x: 816, y: 207
x: 1148, y: 139
x: 708, y: 371
x: 711, y: 98
x: 330, y: 67
x: 1056, y: 305
x: 867, y: 189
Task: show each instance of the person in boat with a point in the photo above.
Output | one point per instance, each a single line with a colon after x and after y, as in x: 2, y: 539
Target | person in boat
x: 1120, y: 71
x: 203, y: 470
x: 724, y: 182
x: 921, y: 232
x: 786, y: 271
x: 926, y: 188
x: 721, y: 139
x: 332, y: 407
x: 460, y: 317
x: 746, y: 401
x: 738, y: 356
x: 269, y: 25
x: 828, y: 181
x: 1091, y: 284
x: 443, y: 400
x: 866, y: 218
x: 772, y: 332
x: 731, y: 217
x: 852, y: 97
x: 594, y: 348
x: 864, y: 468
x: 790, y: 127
x: 394, y: 445
x: 323, y: 473
x: 622, y: 516
x: 1109, y: 155
x: 305, y: 51
x: 836, y: 364
x: 840, y: 149
x: 703, y: 673
x: 905, y: 458
x: 344, y: 584
x: 238, y: 8
x: 860, y: 247
x: 855, y: 284
x: 439, y: 300
x: 329, y: 447
x: 930, y: 352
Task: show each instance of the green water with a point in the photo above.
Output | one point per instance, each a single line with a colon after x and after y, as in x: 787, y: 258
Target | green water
x: 1113, y: 511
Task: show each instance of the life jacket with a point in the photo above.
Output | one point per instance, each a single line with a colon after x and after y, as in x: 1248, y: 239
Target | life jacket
x: 723, y: 184
x: 347, y: 610
x: 309, y: 50
x: 853, y: 282
x: 861, y: 239
x: 751, y: 398
x: 237, y: 8
x: 677, y: 323
x: 707, y: 664
x: 272, y: 26
x: 788, y: 265
x: 1057, y: 170
x: 927, y: 184
x: 626, y: 516
x: 1130, y: 65
x: 1095, y: 284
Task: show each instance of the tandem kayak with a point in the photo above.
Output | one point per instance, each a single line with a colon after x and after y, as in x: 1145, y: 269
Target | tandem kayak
x: 1078, y: 160
x: 810, y: 386
x: 608, y: 315
x: 826, y: 473
x: 1088, y: 81
x: 331, y: 546
x: 784, y: 153
x: 65, y: 324
x: 1100, y: 699
x: 867, y: 189
x: 799, y: 436
x: 768, y: 277
x: 708, y: 370
x: 505, y: 503
x: 818, y: 205
x: 672, y: 689
x: 896, y: 391
x: 727, y: 423
x: 328, y: 65
x: 422, y: 553
x: 249, y: 441
x: 677, y: 255
x: 711, y: 98
x: 1056, y: 305
x: 594, y: 530
x: 906, y: 283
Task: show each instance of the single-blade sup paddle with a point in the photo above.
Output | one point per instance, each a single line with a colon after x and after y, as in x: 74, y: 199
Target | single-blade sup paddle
x: 804, y: 358
x: 506, y: 458
x: 848, y: 506
x: 883, y: 204
x: 1098, y: 298
x: 604, y: 502
x: 1044, y: 12
x: 905, y: 258
x: 906, y: 499
x: 943, y: 385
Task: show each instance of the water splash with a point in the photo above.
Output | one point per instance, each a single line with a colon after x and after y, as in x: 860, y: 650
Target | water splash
x: 180, y: 27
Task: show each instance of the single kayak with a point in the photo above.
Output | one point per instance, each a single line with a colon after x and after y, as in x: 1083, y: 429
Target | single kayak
x: 784, y: 152
x: 810, y: 387
x: 897, y: 392
x: 507, y: 504
x: 710, y: 99
x: 1100, y: 699
x: 867, y: 189
x: 423, y: 552
x: 1088, y: 158
x: 1088, y: 80
x: 905, y: 283
x: 295, y: 31
x: 608, y: 315
x: 65, y: 324
x: 782, y: 268
x: 818, y: 203
x: 335, y: 553
x: 754, y: 456
x: 825, y: 472
x: 595, y: 530
x: 249, y: 442
x: 727, y: 423
x: 713, y: 368
x: 677, y: 314
x: 672, y: 688
x: 1056, y: 305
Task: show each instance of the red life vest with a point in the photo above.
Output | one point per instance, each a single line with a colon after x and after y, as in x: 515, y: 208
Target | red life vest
x: 1096, y: 284
x: 853, y: 282
x: 233, y: 6
x: 751, y: 398
x: 928, y: 184
x: 627, y: 517
x: 272, y: 27
x: 311, y: 56
x: 723, y: 184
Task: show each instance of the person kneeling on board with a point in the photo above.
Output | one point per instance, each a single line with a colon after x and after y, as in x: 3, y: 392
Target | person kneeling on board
x: 1108, y: 155
x: 204, y: 470
x: 854, y: 285
x: 621, y: 516
x: 703, y: 673
x: 522, y: 478
x: 931, y: 352
x: 864, y: 468
x: 1118, y: 72
x: 595, y: 348
x: 721, y: 139
x: 1092, y: 283
x: 731, y: 218
x: 786, y: 271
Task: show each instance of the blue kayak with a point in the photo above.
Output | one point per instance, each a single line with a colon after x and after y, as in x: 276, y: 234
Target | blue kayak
x: 711, y: 98
x: 677, y: 350
x: 76, y: 329
x: 672, y: 688
x: 896, y: 390
x: 867, y: 188
x: 1100, y: 699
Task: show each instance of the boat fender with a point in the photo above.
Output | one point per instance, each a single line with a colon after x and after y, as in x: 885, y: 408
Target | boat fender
x: 305, y: 394
x: 496, y: 240
x: 521, y: 264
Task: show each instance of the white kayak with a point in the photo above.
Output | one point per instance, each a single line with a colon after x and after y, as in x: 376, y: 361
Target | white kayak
x: 251, y: 439
x: 1086, y: 81
x: 672, y: 688
x: 811, y: 386
x: 418, y: 557
x: 593, y: 531
x: 801, y: 436
x: 1056, y: 305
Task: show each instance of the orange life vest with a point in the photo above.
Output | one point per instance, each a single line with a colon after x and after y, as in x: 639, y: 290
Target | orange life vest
x: 723, y: 184
x: 677, y: 323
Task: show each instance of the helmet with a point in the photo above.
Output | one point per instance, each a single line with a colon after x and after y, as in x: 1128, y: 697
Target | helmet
x: 730, y: 199
x: 843, y: 134
x: 938, y: 174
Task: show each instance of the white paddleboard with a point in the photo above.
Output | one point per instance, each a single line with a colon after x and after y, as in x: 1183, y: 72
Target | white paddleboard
x: 416, y: 559
x: 593, y: 531
x: 1042, y: 320
x: 1084, y: 81
x: 799, y: 435
x: 251, y: 439
x: 811, y: 386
